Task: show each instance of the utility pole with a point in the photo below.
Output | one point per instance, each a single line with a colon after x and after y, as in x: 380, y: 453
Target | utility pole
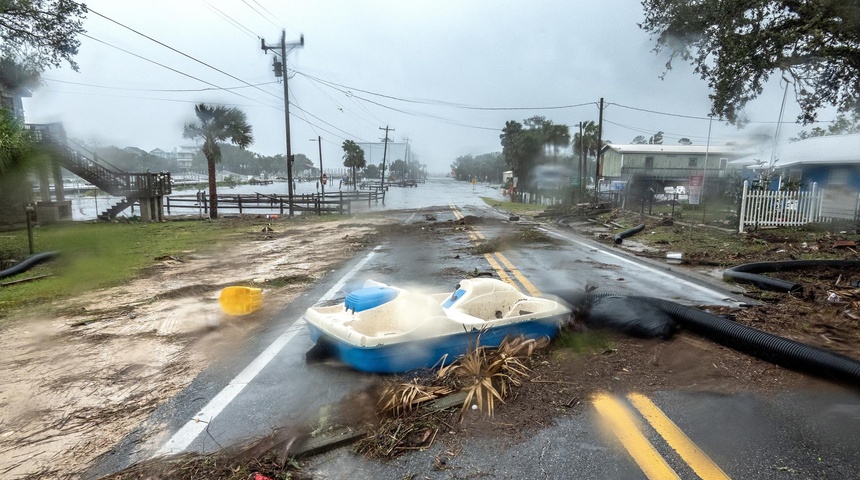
x: 406, y: 159
x: 384, y: 153
x: 581, y: 163
x: 322, y: 175
x: 281, y: 71
x: 599, y: 147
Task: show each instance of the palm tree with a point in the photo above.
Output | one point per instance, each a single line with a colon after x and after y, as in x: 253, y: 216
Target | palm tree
x: 558, y: 136
x: 353, y: 157
x: 217, y: 124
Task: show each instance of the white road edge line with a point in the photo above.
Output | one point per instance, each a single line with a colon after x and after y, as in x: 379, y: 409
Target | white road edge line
x: 713, y: 293
x: 183, y: 438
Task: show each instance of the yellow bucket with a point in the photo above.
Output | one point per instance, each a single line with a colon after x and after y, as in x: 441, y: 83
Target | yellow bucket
x: 240, y: 300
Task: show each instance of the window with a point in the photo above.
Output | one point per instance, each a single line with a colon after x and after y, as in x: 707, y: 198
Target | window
x: 840, y: 176
x: 794, y: 175
x: 649, y: 163
x: 694, y: 162
x: 723, y: 163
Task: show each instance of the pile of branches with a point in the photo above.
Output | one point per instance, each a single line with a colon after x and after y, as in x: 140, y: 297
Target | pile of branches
x: 482, y: 377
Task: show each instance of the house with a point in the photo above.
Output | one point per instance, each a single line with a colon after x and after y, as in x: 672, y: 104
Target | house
x: 654, y: 167
x: 185, y: 156
x: 163, y: 154
x: 827, y: 167
x: 135, y: 150
x: 668, y: 163
x: 832, y: 160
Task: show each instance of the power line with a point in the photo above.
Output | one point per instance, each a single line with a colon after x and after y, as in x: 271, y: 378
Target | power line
x: 693, y: 117
x: 232, y: 21
x: 260, y: 14
x: 442, y: 102
x: 267, y: 10
x: 295, y: 104
x: 169, y: 68
x: 274, y: 17
x: 179, y: 52
x: 207, y: 89
x: 341, y: 108
x: 670, y: 135
x: 659, y: 113
x: 414, y: 114
x: 175, y: 100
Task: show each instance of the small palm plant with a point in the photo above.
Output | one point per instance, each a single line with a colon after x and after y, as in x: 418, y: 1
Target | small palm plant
x: 488, y: 375
x: 403, y: 398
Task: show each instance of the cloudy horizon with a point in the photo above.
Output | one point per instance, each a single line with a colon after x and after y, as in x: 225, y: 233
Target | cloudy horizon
x: 445, y: 75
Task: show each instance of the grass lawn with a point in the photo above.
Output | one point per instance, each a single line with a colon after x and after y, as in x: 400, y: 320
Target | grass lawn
x: 96, y: 255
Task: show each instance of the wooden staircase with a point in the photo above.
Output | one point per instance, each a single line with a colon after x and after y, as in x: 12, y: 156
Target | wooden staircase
x: 85, y: 164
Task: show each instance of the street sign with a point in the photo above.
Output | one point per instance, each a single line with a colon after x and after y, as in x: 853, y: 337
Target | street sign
x: 324, y: 178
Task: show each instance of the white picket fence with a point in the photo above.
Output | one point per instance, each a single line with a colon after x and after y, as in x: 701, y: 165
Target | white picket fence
x: 764, y: 208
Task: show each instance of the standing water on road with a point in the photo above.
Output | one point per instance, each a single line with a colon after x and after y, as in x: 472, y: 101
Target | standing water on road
x: 439, y: 191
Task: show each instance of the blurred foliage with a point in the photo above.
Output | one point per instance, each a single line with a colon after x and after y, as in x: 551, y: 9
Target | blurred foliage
x: 737, y: 46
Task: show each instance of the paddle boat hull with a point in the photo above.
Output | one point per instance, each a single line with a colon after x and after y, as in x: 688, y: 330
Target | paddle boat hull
x: 384, y: 329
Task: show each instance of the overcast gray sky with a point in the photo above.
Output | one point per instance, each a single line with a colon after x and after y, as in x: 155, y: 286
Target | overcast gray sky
x: 430, y: 56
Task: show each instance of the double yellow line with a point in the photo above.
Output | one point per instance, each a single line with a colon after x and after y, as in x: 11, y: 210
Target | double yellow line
x: 622, y: 423
x: 503, y: 267
x: 617, y: 415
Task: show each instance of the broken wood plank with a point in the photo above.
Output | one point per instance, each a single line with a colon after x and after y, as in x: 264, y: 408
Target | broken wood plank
x: 453, y: 400
x: 308, y: 446
x: 22, y: 280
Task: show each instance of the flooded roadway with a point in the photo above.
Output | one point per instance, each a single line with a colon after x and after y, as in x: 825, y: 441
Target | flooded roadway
x: 714, y: 436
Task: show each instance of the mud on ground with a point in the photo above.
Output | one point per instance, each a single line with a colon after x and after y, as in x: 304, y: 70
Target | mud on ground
x: 76, y: 383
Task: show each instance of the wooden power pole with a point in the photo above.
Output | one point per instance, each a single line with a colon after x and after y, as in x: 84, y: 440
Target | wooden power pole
x: 599, y: 147
x: 281, y: 71
x: 384, y: 153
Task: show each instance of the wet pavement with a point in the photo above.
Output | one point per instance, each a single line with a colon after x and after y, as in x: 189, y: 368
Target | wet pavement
x: 812, y: 434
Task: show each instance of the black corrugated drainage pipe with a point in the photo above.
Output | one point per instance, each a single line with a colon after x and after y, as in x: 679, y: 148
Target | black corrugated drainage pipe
x: 27, y: 264
x: 620, y: 236
x: 749, y: 272
x: 773, y: 348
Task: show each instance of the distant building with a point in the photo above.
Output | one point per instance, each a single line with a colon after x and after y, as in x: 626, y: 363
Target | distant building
x: 135, y: 150
x: 185, y: 156
x: 163, y: 154
x: 672, y: 163
x: 642, y: 169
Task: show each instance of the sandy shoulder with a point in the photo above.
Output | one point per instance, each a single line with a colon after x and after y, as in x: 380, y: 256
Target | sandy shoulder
x: 73, y: 385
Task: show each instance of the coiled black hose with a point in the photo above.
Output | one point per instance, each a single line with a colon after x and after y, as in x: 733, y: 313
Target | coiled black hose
x: 749, y: 272
x: 27, y: 264
x: 767, y: 346
x: 620, y: 236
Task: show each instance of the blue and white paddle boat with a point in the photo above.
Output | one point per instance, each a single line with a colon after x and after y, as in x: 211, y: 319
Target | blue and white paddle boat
x: 385, y: 329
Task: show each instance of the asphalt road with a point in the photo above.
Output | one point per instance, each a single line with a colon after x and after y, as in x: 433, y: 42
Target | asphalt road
x: 666, y: 435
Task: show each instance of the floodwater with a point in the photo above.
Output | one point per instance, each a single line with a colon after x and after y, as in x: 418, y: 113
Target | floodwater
x: 439, y: 191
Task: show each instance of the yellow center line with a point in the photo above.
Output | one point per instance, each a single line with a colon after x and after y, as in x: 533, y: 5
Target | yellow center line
x: 614, y: 412
x: 476, y: 235
x: 498, y: 268
x: 457, y: 214
x: 700, y: 462
x: 526, y: 283
x: 622, y: 424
